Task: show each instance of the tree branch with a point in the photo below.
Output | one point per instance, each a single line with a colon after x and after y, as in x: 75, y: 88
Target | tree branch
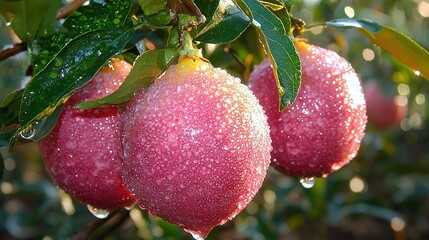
x: 17, y: 48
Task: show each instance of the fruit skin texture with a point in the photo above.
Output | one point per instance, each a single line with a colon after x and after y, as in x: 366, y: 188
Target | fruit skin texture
x: 323, y: 129
x: 196, y: 146
x: 383, y: 111
x: 81, y: 153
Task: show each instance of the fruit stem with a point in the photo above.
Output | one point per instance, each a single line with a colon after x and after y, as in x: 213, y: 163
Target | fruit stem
x: 188, y: 49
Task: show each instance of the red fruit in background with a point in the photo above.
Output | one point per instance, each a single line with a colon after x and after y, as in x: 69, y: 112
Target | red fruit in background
x: 323, y: 129
x: 196, y: 146
x: 81, y: 151
x: 383, y: 111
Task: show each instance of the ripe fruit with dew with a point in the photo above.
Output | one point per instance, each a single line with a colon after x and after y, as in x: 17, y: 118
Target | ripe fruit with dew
x: 384, y: 111
x: 196, y: 146
x: 323, y: 129
x: 81, y: 151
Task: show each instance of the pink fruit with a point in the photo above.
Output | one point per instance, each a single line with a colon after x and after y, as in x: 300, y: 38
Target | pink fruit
x: 81, y: 151
x: 383, y: 111
x: 196, y: 146
x: 323, y: 129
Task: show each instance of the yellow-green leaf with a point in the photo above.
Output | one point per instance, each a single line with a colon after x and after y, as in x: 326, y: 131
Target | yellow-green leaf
x: 400, y: 46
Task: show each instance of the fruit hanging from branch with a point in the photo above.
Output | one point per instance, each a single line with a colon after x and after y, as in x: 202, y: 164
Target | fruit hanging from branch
x: 81, y: 151
x: 323, y: 129
x: 196, y: 146
x: 384, y: 111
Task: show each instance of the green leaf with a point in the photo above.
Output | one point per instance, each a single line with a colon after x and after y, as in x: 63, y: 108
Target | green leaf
x: 400, y: 46
x: 71, y: 68
x: 28, y: 17
x: 150, y: 7
x: 109, y: 14
x: 9, y: 108
x: 273, y: 6
x: 44, y: 127
x: 43, y: 49
x: 147, y: 67
x: 226, y: 25
x: 94, y: 16
x: 280, y: 49
x: 207, y: 8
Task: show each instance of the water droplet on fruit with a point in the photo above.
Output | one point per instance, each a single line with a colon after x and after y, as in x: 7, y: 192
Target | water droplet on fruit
x: 98, y: 213
x: 197, y: 235
x: 307, y: 182
x: 28, y: 133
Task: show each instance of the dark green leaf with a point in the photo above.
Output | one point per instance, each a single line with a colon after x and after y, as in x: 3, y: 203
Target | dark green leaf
x: 280, y: 49
x: 207, y: 8
x: 95, y: 16
x: 44, y: 49
x: 71, y: 68
x: 400, y: 46
x: 44, y: 127
x: 9, y: 108
x: 109, y: 14
x: 226, y: 25
x: 150, y: 7
x: 147, y: 67
x: 28, y: 17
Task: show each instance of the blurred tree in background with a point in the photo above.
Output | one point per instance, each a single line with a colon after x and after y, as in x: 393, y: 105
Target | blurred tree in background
x: 382, y: 194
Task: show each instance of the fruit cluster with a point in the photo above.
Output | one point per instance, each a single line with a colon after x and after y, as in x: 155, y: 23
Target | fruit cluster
x: 195, y: 146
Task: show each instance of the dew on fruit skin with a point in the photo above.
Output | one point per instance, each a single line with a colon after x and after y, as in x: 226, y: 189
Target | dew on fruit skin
x: 307, y: 182
x: 197, y: 235
x: 98, y: 213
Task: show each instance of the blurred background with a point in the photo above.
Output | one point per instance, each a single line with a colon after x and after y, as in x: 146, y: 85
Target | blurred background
x: 382, y: 194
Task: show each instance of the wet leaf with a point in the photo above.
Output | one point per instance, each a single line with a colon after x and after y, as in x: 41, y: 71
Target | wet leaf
x: 28, y: 17
x: 147, y: 67
x: 94, y: 16
x: 44, y: 49
x: 71, y: 68
x: 280, y: 49
x: 400, y: 46
x: 226, y: 25
x: 109, y: 14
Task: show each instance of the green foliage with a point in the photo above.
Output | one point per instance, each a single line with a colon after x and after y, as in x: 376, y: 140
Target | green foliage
x: 29, y: 18
x: 71, y: 68
x: 392, y: 164
x: 109, y: 14
x: 226, y: 25
x: 147, y: 67
x: 400, y: 46
x: 279, y: 45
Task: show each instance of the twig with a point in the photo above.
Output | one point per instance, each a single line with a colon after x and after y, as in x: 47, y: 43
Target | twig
x: 20, y: 47
x: 17, y: 48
